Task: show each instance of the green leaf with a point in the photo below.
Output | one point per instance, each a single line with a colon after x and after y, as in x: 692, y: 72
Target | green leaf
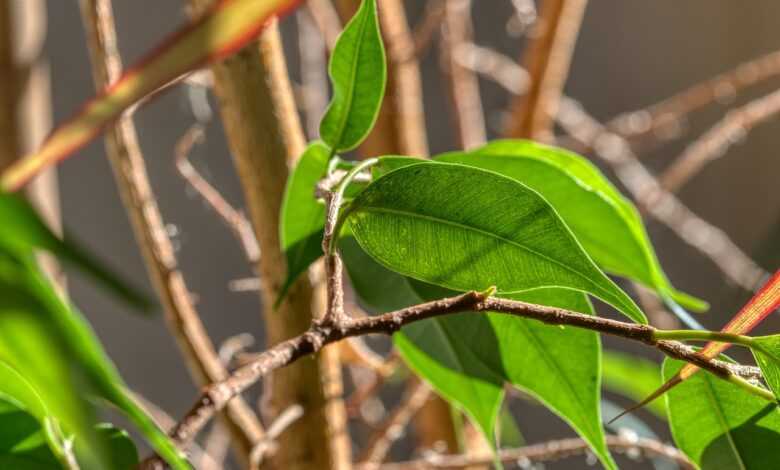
x: 64, y: 362
x: 633, y: 377
x: 302, y: 216
x: 468, y: 229
x: 468, y: 357
x: 26, y: 232
x: 767, y: 354
x: 719, y: 425
x: 23, y: 442
x: 358, y: 72
x: 605, y: 222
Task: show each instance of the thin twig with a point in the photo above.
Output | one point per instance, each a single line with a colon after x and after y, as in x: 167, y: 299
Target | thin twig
x: 321, y: 334
x: 468, y: 114
x: 425, y: 29
x: 669, y: 112
x: 547, y: 62
x: 652, y: 198
x: 327, y: 20
x: 314, y: 76
x: 715, y: 142
x: 548, y: 452
x: 133, y: 182
x: 282, y: 422
x: 393, y: 426
x: 235, y: 220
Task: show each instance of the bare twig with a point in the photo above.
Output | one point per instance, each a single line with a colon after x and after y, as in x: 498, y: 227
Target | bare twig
x: 321, y: 334
x: 314, y: 76
x: 215, y: 448
x: 392, y: 428
x: 468, y: 114
x: 715, y: 142
x: 268, y: 444
x: 497, y: 67
x: 547, y: 62
x: 131, y: 177
x: 234, y: 219
x: 669, y: 112
x: 327, y: 20
x: 547, y: 452
x: 425, y: 29
x: 652, y: 198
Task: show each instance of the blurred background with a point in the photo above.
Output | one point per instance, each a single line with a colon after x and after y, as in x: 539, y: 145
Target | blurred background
x: 628, y: 55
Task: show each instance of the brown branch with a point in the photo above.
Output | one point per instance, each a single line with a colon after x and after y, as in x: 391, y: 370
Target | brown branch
x: 547, y: 62
x: 265, y: 138
x: 320, y: 334
x: 393, y: 426
x: 327, y: 20
x: 235, y: 220
x: 314, y: 67
x: 669, y: 112
x: 10, y: 89
x: 715, y: 142
x: 652, y: 198
x: 130, y: 172
x: 548, y: 452
x: 467, y: 113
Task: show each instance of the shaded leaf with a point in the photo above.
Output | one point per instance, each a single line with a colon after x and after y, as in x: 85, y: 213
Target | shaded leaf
x: 358, y: 72
x: 26, y: 232
x: 605, y: 222
x: 468, y: 357
x: 302, y: 216
x: 224, y: 29
x: 720, y: 426
x: 767, y: 354
x: 468, y: 229
x: 64, y: 362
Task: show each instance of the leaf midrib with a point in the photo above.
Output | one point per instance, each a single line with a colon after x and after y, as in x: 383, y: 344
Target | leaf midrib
x: 485, y: 233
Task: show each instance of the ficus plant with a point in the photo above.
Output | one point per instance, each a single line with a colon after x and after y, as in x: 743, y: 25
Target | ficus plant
x: 481, y: 263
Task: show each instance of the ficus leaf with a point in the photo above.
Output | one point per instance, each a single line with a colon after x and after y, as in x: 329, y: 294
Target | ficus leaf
x: 224, y: 29
x: 767, y: 355
x: 468, y: 357
x: 63, y: 361
x: 719, y: 425
x: 605, y: 222
x: 468, y: 229
x: 302, y: 216
x: 358, y: 72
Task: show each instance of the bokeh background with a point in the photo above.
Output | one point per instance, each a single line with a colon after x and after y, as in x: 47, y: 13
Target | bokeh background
x: 629, y: 55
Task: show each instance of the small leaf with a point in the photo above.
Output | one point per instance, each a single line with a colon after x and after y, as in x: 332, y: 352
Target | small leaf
x: 221, y: 31
x: 358, y: 72
x: 25, y: 232
x: 605, y: 222
x: 468, y: 229
x: 633, y: 377
x: 767, y: 354
x: 302, y: 216
x: 720, y: 426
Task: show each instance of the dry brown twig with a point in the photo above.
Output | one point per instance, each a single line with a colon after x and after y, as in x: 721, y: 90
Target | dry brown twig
x: 716, y: 141
x: 130, y: 172
x: 235, y: 220
x: 547, y: 452
x: 392, y: 428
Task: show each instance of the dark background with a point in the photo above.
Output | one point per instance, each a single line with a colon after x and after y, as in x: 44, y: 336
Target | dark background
x: 629, y: 55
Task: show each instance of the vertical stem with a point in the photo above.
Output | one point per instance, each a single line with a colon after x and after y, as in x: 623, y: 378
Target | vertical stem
x: 265, y: 137
x: 9, y: 89
x: 547, y: 62
x: 468, y: 114
x: 132, y: 180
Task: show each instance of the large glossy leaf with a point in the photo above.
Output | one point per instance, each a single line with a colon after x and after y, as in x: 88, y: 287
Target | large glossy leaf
x: 464, y: 228
x: 633, y: 377
x: 302, y: 216
x: 719, y: 425
x: 63, y: 361
x: 605, y: 222
x: 468, y: 357
x: 358, y: 72
x: 227, y: 27
x: 26, y: 232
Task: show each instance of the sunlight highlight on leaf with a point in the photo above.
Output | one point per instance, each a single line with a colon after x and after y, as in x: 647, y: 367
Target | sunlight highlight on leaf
x: 223, y: 30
